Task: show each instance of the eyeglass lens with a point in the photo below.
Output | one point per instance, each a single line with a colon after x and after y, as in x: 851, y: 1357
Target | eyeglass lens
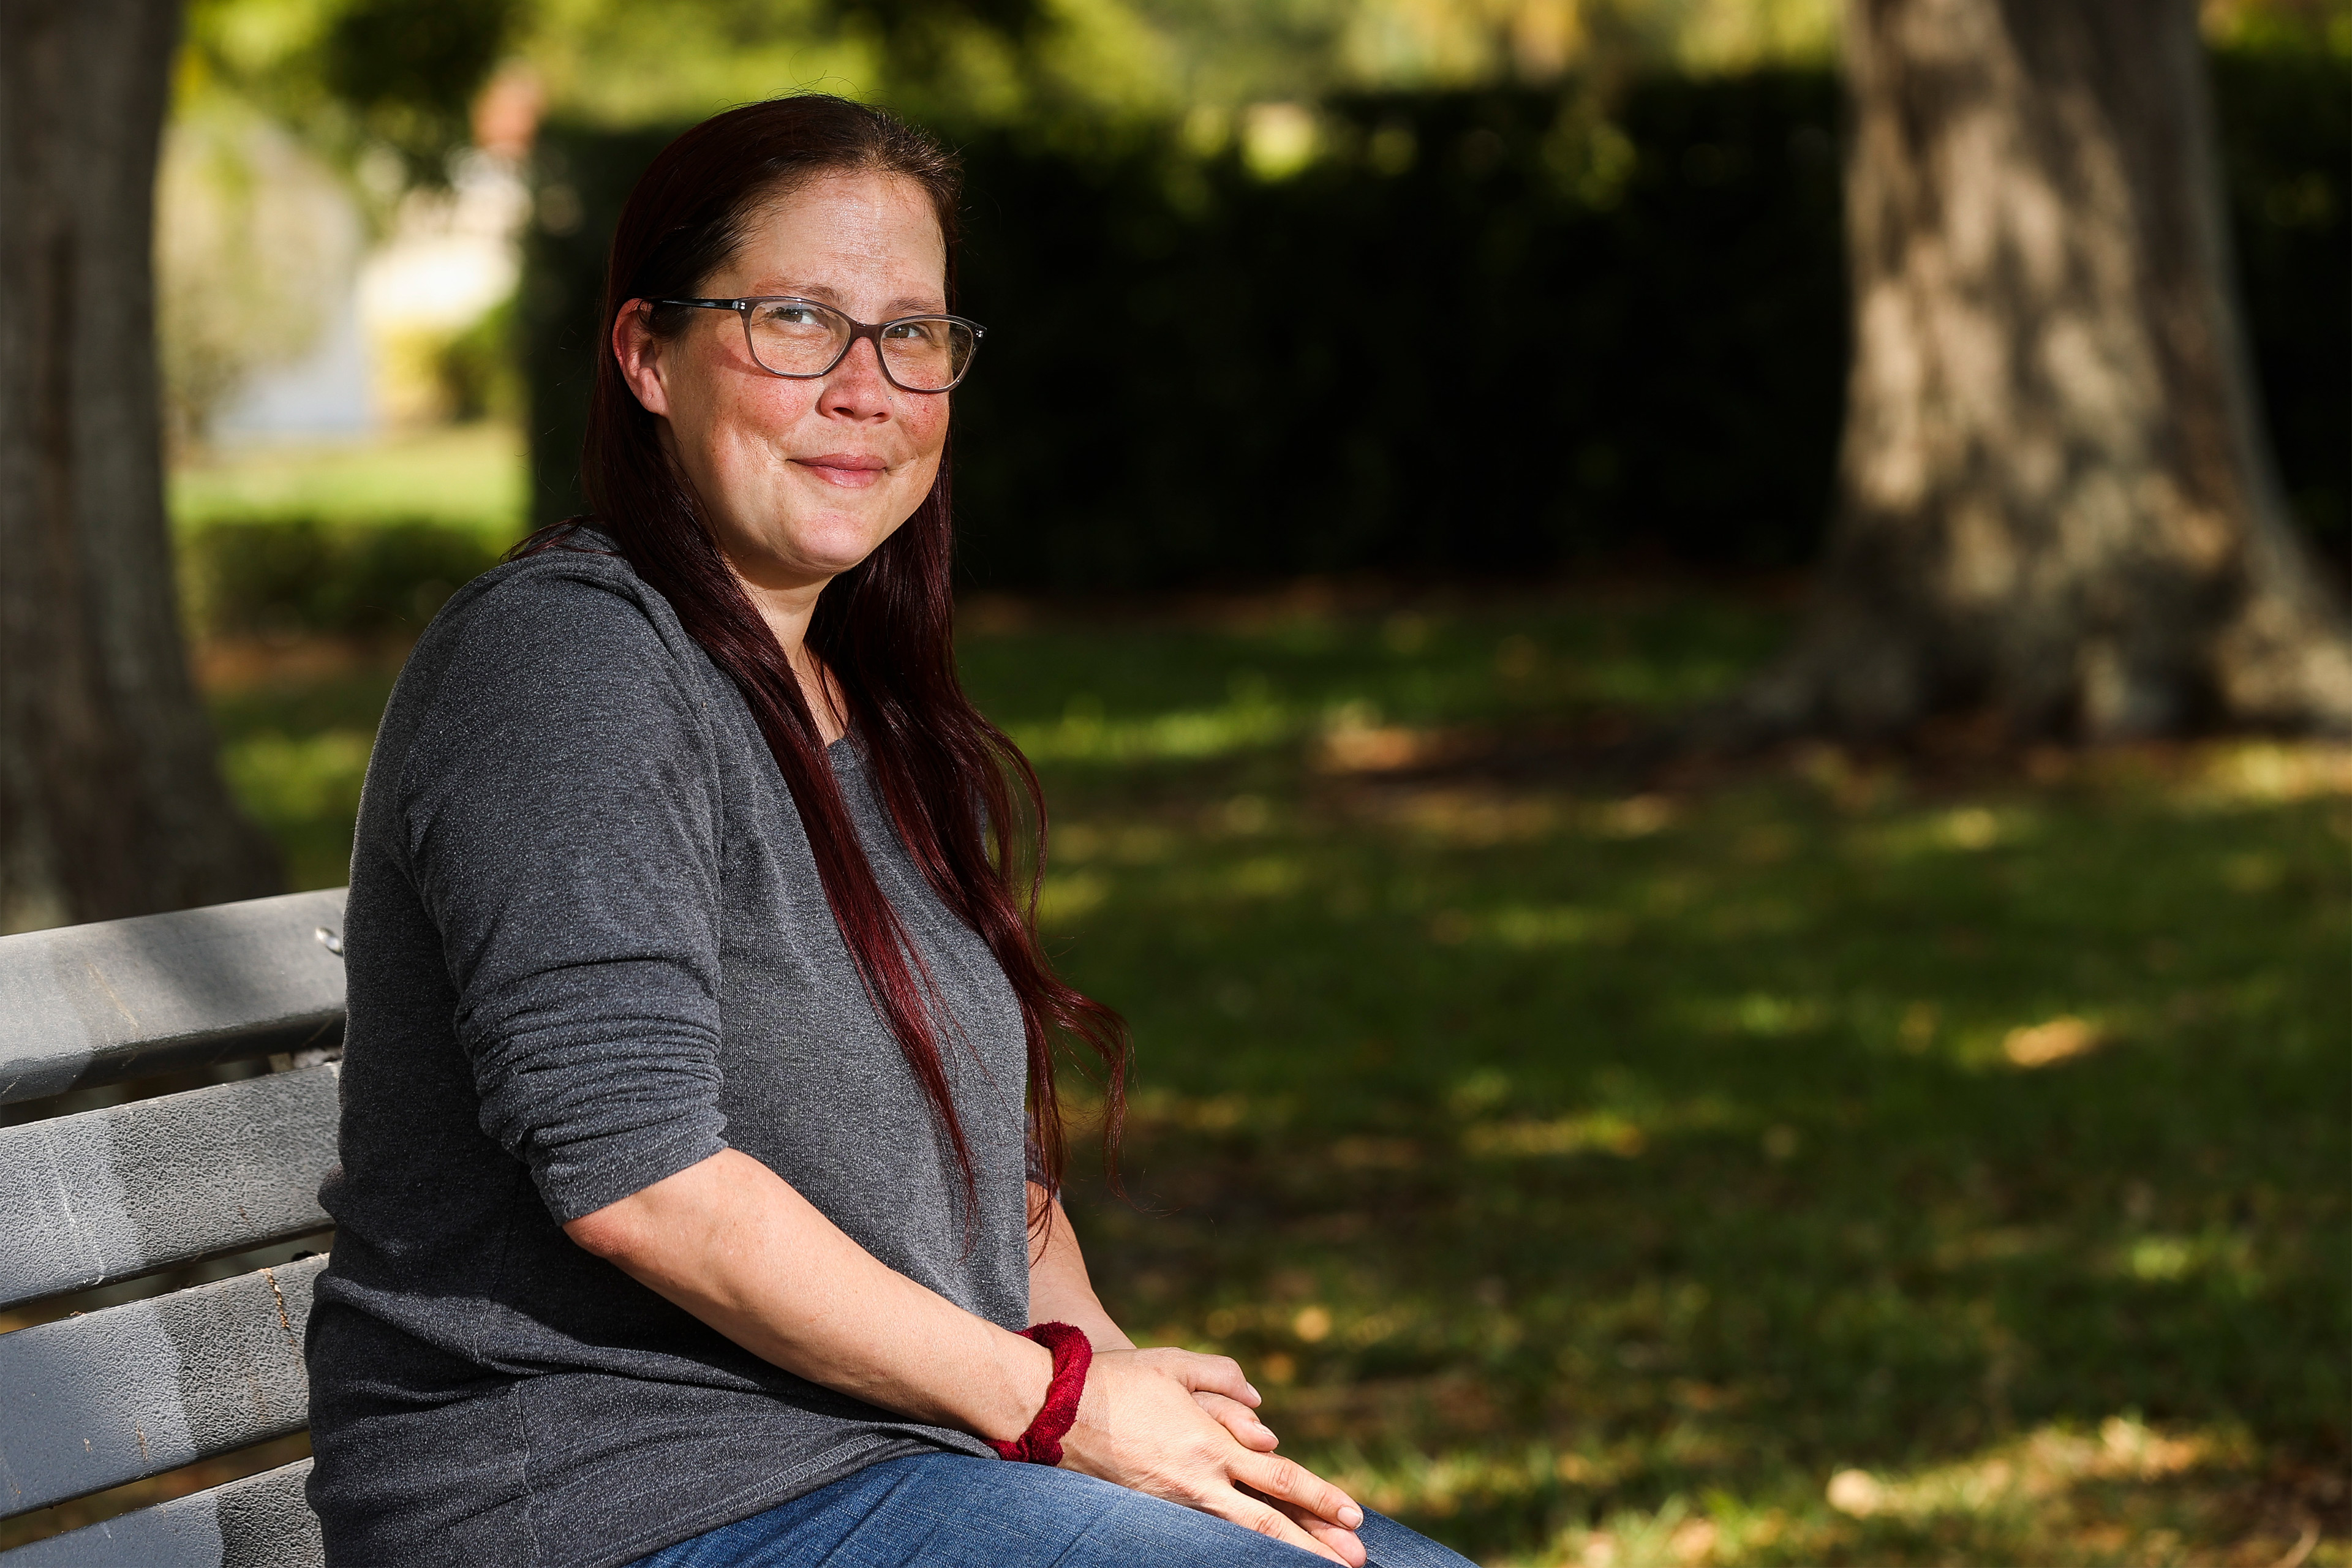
x: 793, y: 337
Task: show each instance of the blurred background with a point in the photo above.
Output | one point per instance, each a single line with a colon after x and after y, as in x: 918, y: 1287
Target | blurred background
x: 1603, y: 1148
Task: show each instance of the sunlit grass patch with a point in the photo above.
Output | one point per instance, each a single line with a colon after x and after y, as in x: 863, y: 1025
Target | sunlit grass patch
x: 1600, y: 1131
x: 1761, y: 1013
x: 1067, y: 897
x: 2040, y: 1045
x: 1948, y: 830
x: 1559, y: 925
x: 2266, y: 773
x: 285, y: 779
x: 296, y: 722
x: 2225, y: 1260
x: 1134, y: 843
x: 305, y: 790
x: 468, y: 475
x: 1084, y: 735
x: 2119, y: 1493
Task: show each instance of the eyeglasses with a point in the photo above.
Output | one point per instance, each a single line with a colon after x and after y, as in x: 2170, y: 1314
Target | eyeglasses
x: 803, y: 340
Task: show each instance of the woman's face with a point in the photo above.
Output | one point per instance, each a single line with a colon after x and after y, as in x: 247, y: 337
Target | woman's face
x: 803, y: 480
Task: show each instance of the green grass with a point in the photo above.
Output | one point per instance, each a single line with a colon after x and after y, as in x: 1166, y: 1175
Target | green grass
x: 1592, y: 1169
x: 467, y: 475
x: 294, y: 747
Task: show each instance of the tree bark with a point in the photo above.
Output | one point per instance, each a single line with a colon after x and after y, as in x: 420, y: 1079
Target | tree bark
x: 2057, y: 502
x: 112, y: 800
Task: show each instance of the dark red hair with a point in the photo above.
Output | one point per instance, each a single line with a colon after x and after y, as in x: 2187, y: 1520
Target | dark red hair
x: 884, y: 629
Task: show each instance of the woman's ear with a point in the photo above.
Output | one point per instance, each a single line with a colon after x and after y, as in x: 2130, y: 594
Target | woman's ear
x: 639, y: 353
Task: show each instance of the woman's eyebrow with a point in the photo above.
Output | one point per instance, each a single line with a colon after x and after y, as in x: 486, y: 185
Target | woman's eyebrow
x: 779, y: 288
x: 904, y: 305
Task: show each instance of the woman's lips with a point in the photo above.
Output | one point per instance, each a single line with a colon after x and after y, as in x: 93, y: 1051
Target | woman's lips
x: 851, y: 471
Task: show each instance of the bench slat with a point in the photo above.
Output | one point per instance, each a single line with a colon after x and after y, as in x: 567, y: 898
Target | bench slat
x: 97, y: 1004
x: 261, y: 1521
x: 108, y: 1397
x: 110, y: 1194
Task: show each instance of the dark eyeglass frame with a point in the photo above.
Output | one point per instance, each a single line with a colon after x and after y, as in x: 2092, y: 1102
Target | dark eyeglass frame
x: 858, y: 330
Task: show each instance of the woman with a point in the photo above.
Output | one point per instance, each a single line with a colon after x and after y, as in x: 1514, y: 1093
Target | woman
x: 701, y: 1141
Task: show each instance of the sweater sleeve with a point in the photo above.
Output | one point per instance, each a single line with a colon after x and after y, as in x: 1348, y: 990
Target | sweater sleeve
x: 562, y: 817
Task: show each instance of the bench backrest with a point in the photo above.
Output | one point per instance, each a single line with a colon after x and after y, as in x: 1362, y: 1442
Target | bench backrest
x: 116, y: 1395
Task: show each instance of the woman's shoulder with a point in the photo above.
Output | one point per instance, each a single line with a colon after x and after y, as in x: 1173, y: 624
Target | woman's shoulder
x: 568, y: 633
x: 576, y: 584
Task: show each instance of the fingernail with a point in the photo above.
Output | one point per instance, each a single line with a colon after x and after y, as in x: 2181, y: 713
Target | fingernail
x: 1351, y: 1515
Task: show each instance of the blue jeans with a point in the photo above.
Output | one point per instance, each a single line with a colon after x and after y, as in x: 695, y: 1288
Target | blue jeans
x: 952, y: 1510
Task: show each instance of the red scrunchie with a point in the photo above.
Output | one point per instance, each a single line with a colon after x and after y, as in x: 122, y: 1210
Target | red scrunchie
x: 1042, y: 1444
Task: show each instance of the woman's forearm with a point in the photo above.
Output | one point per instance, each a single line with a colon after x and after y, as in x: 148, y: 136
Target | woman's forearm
x: 1059, y: 1289
x: 732, y: 1243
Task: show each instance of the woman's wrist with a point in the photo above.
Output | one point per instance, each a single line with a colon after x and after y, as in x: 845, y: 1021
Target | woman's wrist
x: 1041, y: 1442
x: 1024, y: 1373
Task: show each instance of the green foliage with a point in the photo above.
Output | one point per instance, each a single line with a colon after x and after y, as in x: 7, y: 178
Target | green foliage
x: 302, y: 577
x: 252, y: 240
x: 975, y: 63
x: 1479, y: 333
x: 582, y: 174
x: 295, y: 750
x: 1265, y: 377
x: 1471, y: 333
x: 410, y: 67
x: 2311, y: 27
x: 2286, y: 119
x: 352, y: 74
x: 477, y: 369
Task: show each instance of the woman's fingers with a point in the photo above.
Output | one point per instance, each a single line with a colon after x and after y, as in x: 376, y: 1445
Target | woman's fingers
x: 1240, y: 1420
x: 1255, y: 1513
x: 1152, y: 1420
x: 1341, y: 1542
x: 1284, y: 1480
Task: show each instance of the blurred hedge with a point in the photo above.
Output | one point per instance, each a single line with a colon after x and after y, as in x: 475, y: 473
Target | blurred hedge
x: 2286, y: 144
x: 1481, y: 332
x: 286, y: 577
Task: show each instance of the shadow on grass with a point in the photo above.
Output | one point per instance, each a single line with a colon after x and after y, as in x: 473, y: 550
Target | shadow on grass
x: 1592, y: 1170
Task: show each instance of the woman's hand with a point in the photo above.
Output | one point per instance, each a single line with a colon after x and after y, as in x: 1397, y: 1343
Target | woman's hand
x: 1236, y: 1416
x: 1235, y: 1470
x: 1250, y: 1432
x: 1140, y: 1426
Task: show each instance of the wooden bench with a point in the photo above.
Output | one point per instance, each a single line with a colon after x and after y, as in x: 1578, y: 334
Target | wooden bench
x: 89, y: 1197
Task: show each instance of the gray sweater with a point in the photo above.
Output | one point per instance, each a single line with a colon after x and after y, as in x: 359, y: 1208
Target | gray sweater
x: 588, y: 948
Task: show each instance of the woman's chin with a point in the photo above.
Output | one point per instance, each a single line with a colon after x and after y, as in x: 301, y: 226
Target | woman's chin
x: 804, y: 548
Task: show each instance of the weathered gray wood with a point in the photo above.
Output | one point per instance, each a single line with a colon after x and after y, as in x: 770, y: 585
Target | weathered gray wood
x: 91, y: 1401
x: 261, y: 1521
x: 114, y: 1193
x: 97, y: 1004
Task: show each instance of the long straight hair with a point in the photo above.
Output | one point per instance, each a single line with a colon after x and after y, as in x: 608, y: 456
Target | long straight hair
x: 885, y: 629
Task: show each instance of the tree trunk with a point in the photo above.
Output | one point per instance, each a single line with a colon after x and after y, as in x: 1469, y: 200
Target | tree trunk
x: 112, y: 800
x: 2057, y: 503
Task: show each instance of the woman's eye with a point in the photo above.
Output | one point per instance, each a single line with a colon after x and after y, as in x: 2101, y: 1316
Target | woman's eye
x: 789, y: 316
x: 912, y: 331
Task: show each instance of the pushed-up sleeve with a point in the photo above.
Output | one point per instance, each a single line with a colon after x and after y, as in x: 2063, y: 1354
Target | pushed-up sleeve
x: 562, y: 815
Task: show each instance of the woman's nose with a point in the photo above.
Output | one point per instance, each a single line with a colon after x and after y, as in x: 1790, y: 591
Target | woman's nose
x: 857, y: 389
